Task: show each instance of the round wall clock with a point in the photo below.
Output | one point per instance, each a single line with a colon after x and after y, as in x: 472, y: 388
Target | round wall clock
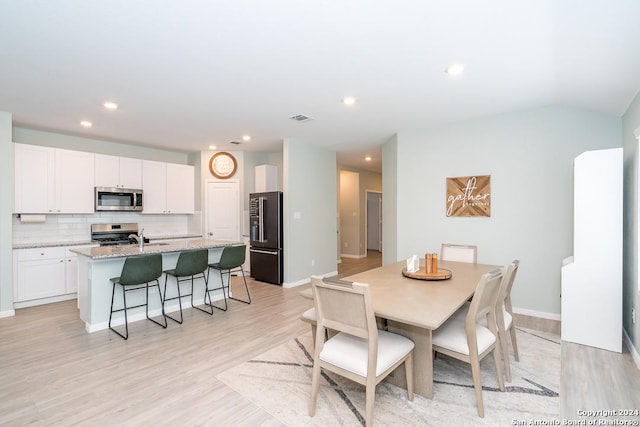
x: 223, y: 165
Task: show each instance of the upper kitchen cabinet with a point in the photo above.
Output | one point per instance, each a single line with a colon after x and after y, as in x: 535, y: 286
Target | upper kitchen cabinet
x: 119, y: 172
x: 52, y: 180
x: 168, y: 188
x: 34, y: 178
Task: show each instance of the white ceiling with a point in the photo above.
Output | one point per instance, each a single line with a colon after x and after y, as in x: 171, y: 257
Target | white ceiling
x: 190, y: 73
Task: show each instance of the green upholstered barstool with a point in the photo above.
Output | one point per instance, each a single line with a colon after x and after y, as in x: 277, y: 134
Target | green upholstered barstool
x: 191, y: 264
x: 231, y: 260
x: 138, y: 271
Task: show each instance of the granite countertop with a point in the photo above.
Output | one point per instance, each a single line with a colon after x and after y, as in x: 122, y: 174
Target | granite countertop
x: 31, y: 245
x: 108, y: 252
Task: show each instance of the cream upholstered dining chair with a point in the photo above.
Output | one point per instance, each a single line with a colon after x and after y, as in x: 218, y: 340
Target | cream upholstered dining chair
x: 504, y: 316
x: 463, y: 337
x: 309, y: 316
x: 358, y: 351
x: 460, y: 253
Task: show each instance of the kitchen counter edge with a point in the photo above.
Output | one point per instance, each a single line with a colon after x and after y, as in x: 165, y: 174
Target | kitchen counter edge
x: 33, y: 245
x: 109, y: 252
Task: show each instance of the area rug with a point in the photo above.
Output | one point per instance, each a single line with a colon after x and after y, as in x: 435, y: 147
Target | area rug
x: 279, y: 381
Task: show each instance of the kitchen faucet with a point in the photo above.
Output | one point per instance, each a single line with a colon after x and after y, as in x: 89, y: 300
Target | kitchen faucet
x: 139, y: 238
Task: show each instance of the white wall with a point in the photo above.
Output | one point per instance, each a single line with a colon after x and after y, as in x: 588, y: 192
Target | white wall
x: 529, y: 156
x: 349, y: 214
x: 310, y: 208
x: 389, y: 204
x: 631, y: 295
x: 6, y: 207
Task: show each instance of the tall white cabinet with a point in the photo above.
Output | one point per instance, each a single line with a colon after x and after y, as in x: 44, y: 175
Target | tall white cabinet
x: 592, y: 277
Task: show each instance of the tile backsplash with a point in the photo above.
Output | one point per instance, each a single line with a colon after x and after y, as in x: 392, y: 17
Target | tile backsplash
x: 77, y: 228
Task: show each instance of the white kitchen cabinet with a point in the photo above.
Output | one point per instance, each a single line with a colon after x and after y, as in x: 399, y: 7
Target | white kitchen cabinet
x: 266, y: 178
x: 34, y: 178
x: 40, y: 273
x: 119, y: 172
x: 168, y: 188
x: 180, y: 188
x: 592, y: 278
x: 71, y: 271
x: 45, y: 275
x: 74, y: 181
x: 52, y: 180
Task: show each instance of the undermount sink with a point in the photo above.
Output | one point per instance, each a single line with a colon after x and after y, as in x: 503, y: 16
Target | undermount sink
x: 146, y: 245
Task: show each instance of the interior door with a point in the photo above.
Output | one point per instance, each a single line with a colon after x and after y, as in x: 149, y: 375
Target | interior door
x: 223, y: 210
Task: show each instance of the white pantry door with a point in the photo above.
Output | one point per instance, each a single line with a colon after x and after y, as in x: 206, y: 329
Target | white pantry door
x: 223, y: 210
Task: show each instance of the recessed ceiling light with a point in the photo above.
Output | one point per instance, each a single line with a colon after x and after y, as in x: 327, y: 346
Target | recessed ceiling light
x: 86, y: 124
x: 110, y: 105
x: 212, y: 147
x: 454, y: 69
x: 349, y: 100
x: 246, y: 138
x: 368, y: 158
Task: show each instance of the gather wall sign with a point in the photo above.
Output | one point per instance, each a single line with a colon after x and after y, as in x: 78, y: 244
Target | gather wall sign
x: 469, y: 196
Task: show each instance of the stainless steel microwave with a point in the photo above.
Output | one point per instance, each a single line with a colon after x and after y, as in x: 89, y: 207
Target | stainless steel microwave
x: 118, y: 199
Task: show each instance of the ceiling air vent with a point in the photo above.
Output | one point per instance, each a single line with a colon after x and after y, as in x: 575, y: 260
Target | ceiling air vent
x: 235, y: 142
x: 301, y: 118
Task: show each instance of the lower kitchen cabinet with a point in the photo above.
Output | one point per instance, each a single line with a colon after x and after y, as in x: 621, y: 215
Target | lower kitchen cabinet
x: 40, y: 273
x: 44, y: 275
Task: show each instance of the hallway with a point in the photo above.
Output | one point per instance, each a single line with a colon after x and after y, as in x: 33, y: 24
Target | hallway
x: 350, y: 266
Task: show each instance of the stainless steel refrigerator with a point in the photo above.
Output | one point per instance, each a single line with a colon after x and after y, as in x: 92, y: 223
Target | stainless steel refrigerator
x: 265, y: 237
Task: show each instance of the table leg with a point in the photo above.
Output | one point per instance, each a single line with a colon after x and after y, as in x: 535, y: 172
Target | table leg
x: 422, y: 359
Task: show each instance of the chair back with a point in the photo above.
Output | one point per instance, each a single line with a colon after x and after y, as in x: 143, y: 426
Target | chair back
x: 232, y: 257
x: 344, y: 308
x: 459, y: 253
x: 139, y: 269
x: 192, y: 262
x: 507, y: 285
x: 484, y: 302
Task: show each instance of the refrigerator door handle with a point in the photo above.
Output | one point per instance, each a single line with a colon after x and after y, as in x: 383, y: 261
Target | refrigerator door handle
x: 260, y: 251
x: 261, y: 216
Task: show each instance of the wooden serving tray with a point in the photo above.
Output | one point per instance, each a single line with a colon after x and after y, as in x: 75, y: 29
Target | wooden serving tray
x: 441, y: 274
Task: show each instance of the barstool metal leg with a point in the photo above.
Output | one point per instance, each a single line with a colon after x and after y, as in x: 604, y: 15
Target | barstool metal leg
x: 113, y: 293
x: 224, y: 296
x: 248, y: 300
x: 161, y: 306
x: 206, y: 291
x: 179, y: 298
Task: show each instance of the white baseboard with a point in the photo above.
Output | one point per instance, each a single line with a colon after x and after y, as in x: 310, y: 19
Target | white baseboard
x: 41, y: 301
x: 296, y: 283
x: 353, y: 256
x: 535, y: 313
x: 8, y: 313
x: 307, y: 281
x: 632, y: 349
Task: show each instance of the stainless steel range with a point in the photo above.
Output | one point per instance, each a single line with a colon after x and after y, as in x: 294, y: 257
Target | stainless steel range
x: 115, y: 234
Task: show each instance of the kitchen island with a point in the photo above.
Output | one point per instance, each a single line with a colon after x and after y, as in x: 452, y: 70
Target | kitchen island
x: 97, y: 265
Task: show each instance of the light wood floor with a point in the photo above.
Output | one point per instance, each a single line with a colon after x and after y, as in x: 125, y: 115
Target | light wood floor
x: 54, y: 373
x: 351, y: 266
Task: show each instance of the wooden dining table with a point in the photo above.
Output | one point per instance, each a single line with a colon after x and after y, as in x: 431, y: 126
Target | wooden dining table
x: 415, y: 308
